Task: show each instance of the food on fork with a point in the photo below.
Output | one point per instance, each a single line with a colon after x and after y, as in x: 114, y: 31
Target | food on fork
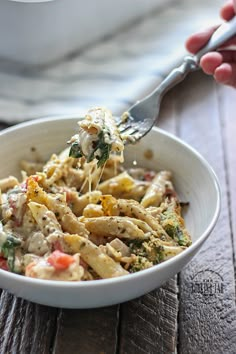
x: 97, y: 137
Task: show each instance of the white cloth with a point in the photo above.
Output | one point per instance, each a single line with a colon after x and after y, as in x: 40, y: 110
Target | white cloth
x: 114, y: 72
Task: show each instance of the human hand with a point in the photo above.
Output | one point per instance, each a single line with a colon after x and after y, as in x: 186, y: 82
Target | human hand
x: 221, y: 64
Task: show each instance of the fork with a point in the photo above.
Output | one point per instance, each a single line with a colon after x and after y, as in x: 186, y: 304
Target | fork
x: 140, y: 117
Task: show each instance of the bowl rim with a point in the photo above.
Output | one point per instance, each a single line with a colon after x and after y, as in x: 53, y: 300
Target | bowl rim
x: 145, y: 272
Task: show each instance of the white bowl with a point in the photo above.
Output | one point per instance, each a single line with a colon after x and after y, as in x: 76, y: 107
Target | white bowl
x: 195, y: 182
x: 36, y: 32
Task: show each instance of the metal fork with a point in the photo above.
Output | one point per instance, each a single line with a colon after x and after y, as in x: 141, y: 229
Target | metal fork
x: 140, y: 118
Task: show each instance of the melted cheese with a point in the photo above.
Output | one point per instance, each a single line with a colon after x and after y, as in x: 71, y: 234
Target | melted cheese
x: 98, y: 131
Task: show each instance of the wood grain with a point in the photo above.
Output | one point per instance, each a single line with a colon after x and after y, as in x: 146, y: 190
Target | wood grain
x: 227, y: 106
x: 25, y: 328
x: 87, y: 331
x: 149, y: 324
x: 207, y: 323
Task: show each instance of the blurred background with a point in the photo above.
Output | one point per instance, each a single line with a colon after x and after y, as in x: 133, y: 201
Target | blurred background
x: 64, y: 56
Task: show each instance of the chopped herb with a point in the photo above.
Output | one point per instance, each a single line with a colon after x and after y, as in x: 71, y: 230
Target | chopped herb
x: 150, y: 249
x: 99, y: 146
x: 175, y: 232
x: 104, y: 148
x: 8, y: 250
x: 75, y: 150
x: 139, y: 264
x: 173, y: 224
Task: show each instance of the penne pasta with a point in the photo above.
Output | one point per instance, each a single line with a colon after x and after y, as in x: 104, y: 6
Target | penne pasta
x: 8, y: 183
x: 103, y: 265
x: 116, y: 226
x: 45, y: 218
x: 159, y: 187
x: 117, y: 185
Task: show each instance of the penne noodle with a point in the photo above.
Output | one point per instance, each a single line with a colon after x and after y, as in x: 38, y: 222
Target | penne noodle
x: 117, y: 185
x: 115, y: 226
x: 103, y: 265
x: 160, y: 185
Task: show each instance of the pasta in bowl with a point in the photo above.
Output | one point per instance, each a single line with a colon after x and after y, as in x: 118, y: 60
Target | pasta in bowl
x: 99, y: 247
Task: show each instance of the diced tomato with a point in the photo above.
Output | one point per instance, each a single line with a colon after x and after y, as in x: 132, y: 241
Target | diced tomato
x: 3, y: 263
x: 60, y: 260
x: 170, y: 193
x: 148, y: 176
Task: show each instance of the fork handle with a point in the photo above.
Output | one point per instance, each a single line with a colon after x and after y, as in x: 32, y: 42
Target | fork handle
x: 191, y: 62
x: 223, y: 33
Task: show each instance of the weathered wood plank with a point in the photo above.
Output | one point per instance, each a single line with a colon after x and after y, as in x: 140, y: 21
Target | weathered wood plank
x: 87, y: 331
x: 149, y: 324
x: 25, y: 327
x: 207, y: 322
x: 227, y: 99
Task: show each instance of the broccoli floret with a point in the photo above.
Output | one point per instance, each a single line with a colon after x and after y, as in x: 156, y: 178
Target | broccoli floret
x: 173, y: 223
x: 150, y: 249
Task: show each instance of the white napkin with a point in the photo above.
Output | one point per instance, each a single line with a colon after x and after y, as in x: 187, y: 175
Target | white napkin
x: 113, y: 73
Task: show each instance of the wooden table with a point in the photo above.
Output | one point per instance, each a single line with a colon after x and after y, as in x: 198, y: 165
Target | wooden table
x: 194, y: 312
